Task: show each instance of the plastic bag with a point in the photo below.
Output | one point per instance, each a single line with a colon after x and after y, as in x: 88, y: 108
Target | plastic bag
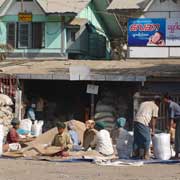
x: 14, y: 147
x: 37, y: 128
x: 26, y: 124
x: 162, y: 147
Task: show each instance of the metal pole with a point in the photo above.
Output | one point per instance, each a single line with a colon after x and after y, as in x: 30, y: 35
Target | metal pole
x: 92, y: 106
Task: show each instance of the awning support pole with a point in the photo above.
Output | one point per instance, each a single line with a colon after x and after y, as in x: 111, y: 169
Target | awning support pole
x: 92, y: 106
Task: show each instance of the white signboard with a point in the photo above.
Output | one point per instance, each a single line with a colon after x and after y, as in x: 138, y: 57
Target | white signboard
x: 79, y: 73
x: 173, y: 32
x: 92, y: 89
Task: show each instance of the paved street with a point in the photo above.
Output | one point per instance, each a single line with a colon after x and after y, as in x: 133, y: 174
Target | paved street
x: 37, y: 170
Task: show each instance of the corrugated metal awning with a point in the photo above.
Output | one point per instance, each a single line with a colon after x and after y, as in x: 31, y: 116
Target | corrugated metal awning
x: 127, y: 5
x: 62, y: 6
x: 130, y: 70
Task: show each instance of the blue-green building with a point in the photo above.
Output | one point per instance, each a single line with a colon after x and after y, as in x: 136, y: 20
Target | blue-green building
x: 75, y: 29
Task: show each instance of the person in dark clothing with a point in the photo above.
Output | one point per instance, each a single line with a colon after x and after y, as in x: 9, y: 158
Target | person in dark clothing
x: 174, y: 121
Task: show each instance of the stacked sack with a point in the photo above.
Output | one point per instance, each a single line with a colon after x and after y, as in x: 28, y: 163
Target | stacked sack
x: 105, y: 111
x: 6, y: 112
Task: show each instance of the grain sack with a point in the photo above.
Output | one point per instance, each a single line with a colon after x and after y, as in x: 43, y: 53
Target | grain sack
x: 161, y: 146
x: 124, y: 144
x: 5, y: 100
x: 106, y: 119
x: 6, y: 117
x: 101, y: 115
x: 105, y: 108
x: 108, y: 100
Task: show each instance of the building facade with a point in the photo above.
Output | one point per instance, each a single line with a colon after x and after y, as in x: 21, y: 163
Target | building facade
x: 167, y: 10
x: 54, y: 29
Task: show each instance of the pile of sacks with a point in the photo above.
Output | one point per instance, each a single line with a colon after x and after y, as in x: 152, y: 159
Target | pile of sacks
x: 6, y: 112
x: 105, y: 111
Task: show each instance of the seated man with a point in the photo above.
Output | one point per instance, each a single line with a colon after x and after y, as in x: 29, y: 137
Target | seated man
x: 63, y: 140
x: 89, y: 137
x: 103, y: 140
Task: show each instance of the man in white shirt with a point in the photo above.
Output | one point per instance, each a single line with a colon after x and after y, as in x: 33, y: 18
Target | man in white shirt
x: 103, y: 140
x: 145, y: 118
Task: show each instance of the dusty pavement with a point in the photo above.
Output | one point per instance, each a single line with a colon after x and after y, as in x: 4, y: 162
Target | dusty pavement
x: 38, y: 170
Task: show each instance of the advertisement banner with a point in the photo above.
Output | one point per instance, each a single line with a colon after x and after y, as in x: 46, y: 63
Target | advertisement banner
x: 173, y: 32
x: 147, y: 32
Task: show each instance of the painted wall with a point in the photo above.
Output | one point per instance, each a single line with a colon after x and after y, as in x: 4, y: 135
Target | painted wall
x: 53, y: 35
x: 2, y: 32
x: 167, y: 9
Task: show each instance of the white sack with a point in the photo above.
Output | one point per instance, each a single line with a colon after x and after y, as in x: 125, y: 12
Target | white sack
x: 162, y: 147
x: 5, y: 100
x: 26, y: 124
x: 37, y: 128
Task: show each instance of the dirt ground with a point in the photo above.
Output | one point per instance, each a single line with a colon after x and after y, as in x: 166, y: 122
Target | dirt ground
x: 38, y: 170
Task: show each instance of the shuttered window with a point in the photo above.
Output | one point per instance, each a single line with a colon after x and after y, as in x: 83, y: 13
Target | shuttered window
x: 11, y: 34
x: 24, y: 32
x: 38, y: 35
x: 26, y: 35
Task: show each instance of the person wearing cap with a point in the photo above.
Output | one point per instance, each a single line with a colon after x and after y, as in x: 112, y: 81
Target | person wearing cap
x: 89, y: 136
x: 174, y: 121
x: 103, y: 140
x: 145, y: 118
x: 120, y: 124
x: 62, y: 140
